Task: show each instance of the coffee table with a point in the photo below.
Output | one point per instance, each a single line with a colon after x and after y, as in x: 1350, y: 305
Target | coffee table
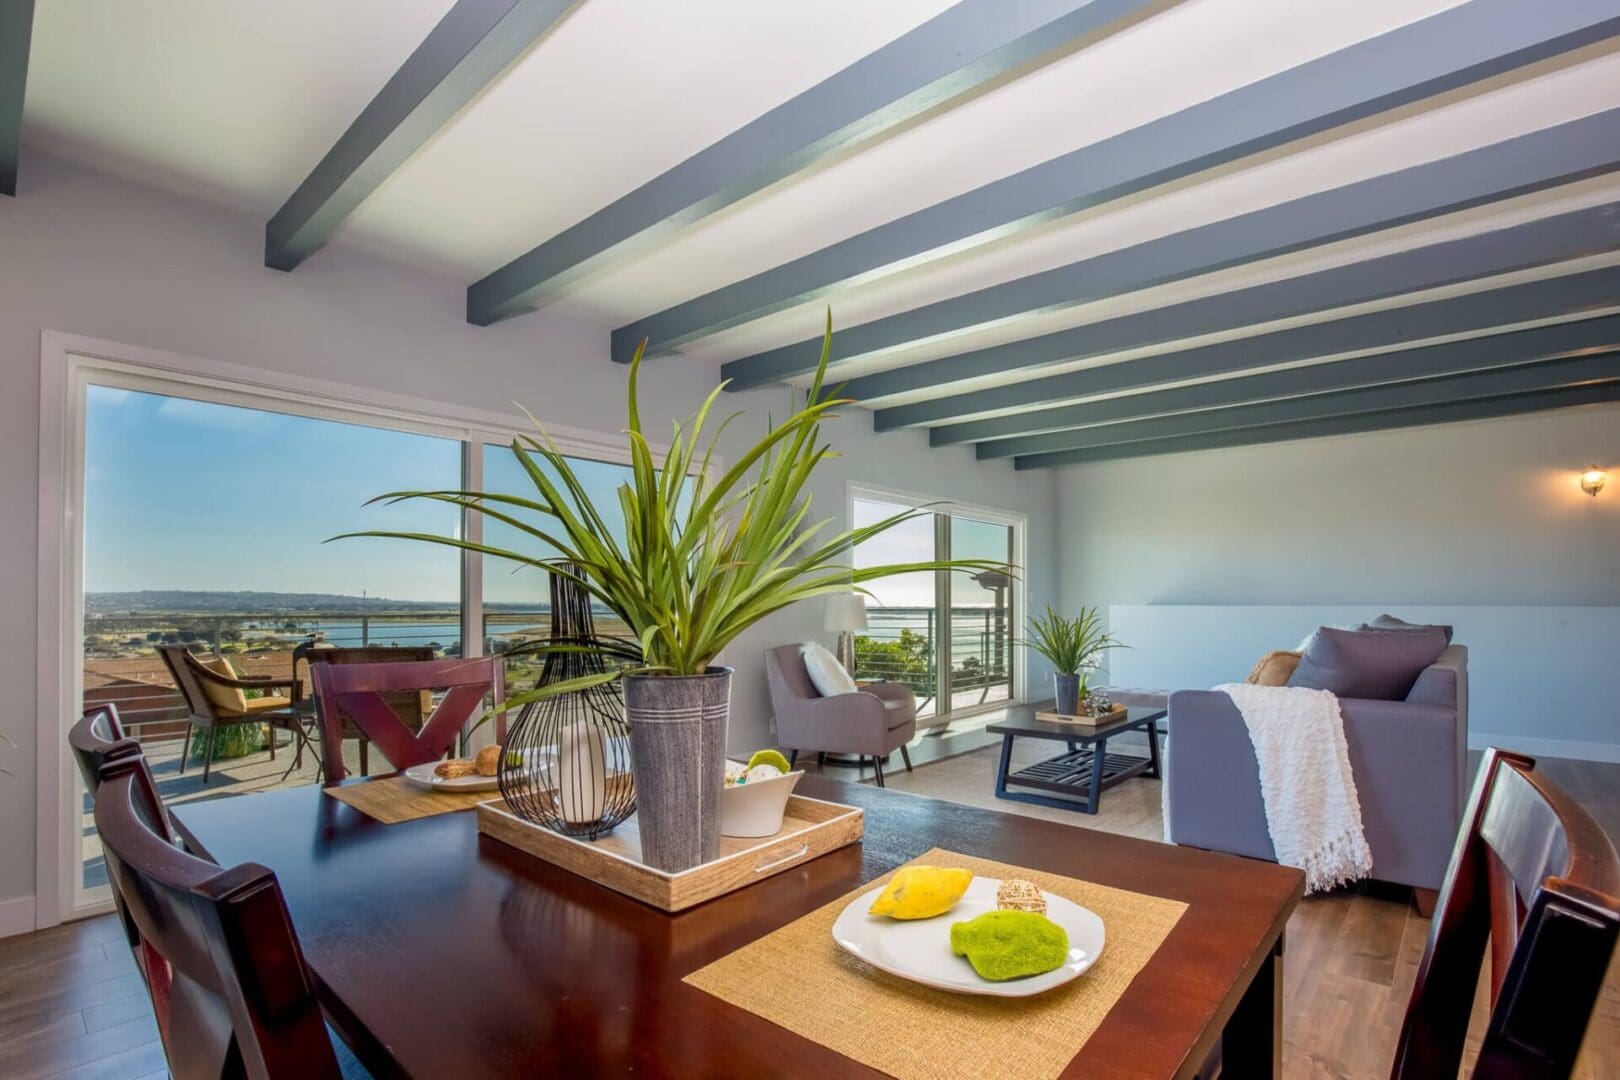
x: 1076, y: 779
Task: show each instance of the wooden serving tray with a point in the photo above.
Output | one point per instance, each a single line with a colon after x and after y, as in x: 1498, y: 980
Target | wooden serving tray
x: 1118, y: 712
x: 811, y: 828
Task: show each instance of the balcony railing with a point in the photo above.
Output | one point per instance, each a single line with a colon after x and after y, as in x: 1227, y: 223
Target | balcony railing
x: 121, y: 664
x: 903, y: 645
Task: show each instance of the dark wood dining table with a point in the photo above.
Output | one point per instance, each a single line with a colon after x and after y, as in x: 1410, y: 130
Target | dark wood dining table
x: 440, y: 952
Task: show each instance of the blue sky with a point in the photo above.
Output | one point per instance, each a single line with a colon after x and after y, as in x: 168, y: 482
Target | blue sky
x: 185, y: 494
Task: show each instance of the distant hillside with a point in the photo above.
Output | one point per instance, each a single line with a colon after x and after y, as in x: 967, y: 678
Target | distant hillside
x: 171, y: 600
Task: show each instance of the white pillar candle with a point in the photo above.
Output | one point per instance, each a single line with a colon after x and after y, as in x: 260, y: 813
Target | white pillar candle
x: 581, y: 773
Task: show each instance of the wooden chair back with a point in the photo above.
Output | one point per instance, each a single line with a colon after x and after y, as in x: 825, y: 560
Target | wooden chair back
x: 1533, y: 875
x: 97, y: 739
x: 361, y: 692
x: 410, y: 708
x: 241, y: 1001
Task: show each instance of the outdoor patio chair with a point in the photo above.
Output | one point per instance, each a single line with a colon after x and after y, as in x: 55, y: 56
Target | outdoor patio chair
x: 361, y: 693
x: 216, y: 697
x: 412, y: 708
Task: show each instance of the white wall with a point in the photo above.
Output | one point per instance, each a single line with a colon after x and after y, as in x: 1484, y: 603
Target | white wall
x: 1478, y: 519
x: 85, y: 254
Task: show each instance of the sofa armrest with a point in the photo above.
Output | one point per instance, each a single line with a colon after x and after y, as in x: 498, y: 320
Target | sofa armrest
x: 846, y: 723
x: 1212, y: 796
x: 890, y: 691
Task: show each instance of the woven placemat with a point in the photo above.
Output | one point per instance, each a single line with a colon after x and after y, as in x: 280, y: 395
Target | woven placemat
x: 798, y: 978
x: 394, y: 799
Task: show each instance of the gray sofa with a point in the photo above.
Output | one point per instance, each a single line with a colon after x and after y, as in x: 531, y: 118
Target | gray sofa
x: 1410, y: 760
x: 872, y: 723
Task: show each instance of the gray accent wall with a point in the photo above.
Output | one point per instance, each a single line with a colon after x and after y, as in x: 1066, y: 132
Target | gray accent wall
x: 87, y: 254
x: 1482, y: 521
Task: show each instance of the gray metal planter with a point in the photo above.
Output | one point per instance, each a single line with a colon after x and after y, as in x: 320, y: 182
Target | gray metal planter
x: 1068, y: 694
x: 678, y: 756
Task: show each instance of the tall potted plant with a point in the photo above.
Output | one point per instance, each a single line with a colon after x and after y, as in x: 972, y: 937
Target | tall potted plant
x: 1073, y: 647
x: 704, y: 557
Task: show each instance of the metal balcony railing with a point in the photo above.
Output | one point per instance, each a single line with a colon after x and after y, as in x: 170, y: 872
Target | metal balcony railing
x: 903, y: 645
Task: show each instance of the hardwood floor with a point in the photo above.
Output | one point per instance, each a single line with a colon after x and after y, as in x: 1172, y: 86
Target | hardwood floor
x: 72, y: 1005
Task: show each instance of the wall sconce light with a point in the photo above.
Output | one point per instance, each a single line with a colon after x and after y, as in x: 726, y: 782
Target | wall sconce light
x: 1592, y: 480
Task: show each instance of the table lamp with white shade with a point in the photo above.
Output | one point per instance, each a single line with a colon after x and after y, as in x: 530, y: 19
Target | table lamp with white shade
x: 846, y: 613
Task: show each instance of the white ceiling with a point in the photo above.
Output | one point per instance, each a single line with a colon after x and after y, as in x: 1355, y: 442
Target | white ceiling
x: 235, y: 100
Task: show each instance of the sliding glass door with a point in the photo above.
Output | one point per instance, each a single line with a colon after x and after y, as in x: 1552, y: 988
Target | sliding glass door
x: 205, y: 527
x: 948, y: 635
x: 901, y: 642
x: 981, y: 615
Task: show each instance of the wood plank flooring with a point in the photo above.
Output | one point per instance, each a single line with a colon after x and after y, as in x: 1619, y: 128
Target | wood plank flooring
x: 72, y: 1005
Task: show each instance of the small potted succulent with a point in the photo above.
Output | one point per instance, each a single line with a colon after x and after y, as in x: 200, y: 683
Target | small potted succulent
x: 1074, y: 648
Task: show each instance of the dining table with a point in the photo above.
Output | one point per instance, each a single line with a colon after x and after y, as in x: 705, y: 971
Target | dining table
x: 438, y: 951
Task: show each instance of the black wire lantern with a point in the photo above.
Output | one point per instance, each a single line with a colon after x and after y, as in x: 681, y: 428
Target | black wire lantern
x: 565, y: 763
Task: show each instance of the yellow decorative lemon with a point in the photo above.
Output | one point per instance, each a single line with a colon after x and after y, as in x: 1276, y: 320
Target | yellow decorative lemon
x: 921, y: 892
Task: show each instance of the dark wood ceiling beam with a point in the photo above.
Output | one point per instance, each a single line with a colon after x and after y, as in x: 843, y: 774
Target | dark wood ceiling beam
x: 1542, y: 159
x: 1597, y: 393
x: 962, y: 51
x: 16, y: 34
x: 1572, y: 296
x: 468, y: 49
x: 1545, y: 241
x: 1457, y: 47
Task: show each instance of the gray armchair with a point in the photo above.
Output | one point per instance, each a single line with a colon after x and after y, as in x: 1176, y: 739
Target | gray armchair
x: 1410, y: 760
x: 873, y: 722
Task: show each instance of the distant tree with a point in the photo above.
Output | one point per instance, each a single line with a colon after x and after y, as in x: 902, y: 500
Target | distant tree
x: 908, y: 660
x: 155, y: 635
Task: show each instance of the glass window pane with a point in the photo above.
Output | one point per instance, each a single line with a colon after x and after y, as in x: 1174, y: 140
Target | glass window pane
x: 900, y: 642
x: 205, y: 525
x: 981, y: 615
x: 517, y: 597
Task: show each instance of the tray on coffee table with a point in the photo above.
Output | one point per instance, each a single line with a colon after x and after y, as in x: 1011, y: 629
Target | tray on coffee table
x: 810, y: 828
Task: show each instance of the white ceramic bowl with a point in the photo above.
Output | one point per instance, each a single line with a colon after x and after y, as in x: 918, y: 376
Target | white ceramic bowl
x: 756, y: 808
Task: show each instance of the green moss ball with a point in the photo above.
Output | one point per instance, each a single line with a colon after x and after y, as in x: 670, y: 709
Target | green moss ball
x: 1004, y: 945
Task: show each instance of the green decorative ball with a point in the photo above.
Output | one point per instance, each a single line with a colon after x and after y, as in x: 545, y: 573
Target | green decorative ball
x: 1004, y: 945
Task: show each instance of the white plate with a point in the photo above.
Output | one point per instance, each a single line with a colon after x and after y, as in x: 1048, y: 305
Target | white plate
x: 422, y: 776
x: 920, y: 949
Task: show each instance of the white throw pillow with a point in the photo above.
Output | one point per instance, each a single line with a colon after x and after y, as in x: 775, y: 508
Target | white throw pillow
x: 827, y: 675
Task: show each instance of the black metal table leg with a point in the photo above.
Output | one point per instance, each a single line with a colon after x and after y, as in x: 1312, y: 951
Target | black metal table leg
x: 1001, y: 769
x: 1154, y: 769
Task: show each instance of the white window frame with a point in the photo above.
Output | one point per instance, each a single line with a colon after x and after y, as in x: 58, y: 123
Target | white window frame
x: 69, y: 365
x: 1018, y: 522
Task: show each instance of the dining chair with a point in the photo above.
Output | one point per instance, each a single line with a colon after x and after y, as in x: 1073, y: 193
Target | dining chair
x: 412, y: 708
x: 1534, y: 875
x: 360, y: 692
x: 216, y: 697
x: 97, y: 739
x: 241, y: 1001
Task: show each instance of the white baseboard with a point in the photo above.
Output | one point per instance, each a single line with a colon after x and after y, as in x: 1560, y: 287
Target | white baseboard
x: 16, y: 916
x: 1558, y: 748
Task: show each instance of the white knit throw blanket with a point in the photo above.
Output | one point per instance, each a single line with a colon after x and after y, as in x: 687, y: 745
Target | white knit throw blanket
x: 1312, y: 809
